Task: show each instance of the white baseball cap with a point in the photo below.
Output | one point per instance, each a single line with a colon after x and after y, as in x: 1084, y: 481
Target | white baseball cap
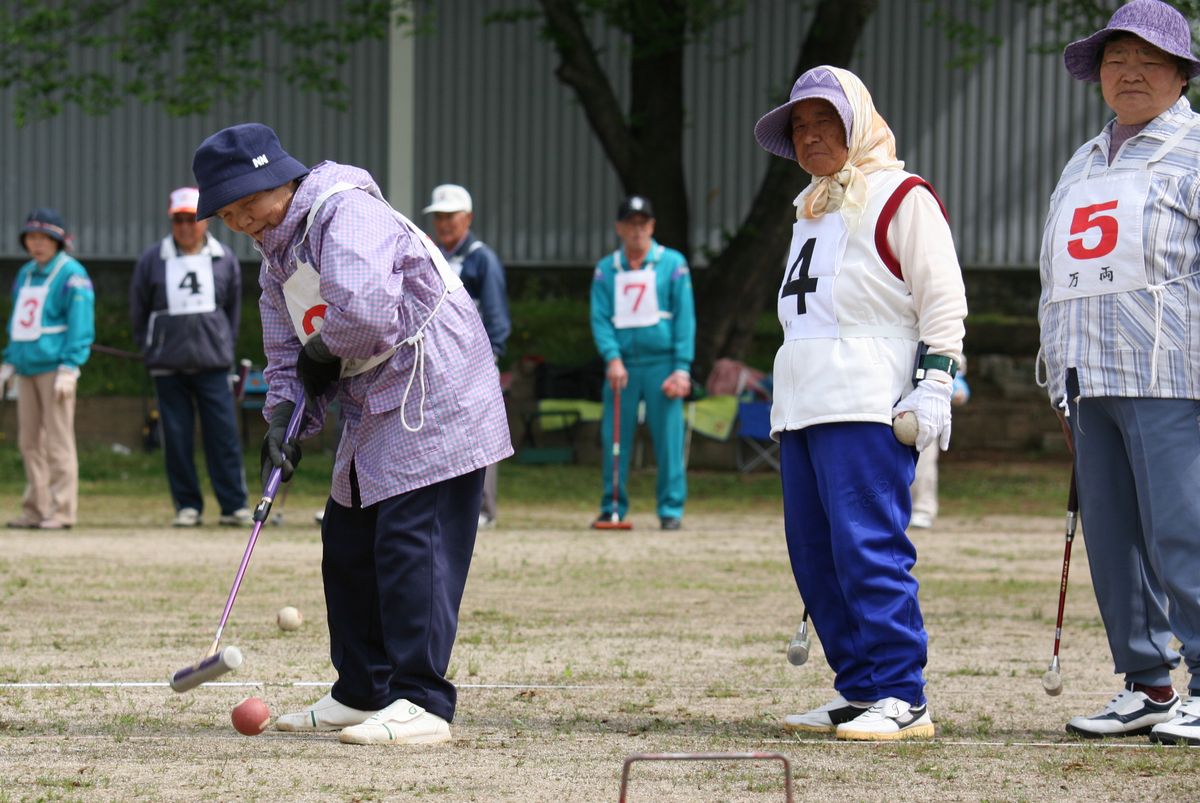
x: 449, y: 198
x: 184, y: 199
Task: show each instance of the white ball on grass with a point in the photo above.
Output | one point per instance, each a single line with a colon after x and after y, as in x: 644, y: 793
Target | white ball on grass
x: 289, y: 618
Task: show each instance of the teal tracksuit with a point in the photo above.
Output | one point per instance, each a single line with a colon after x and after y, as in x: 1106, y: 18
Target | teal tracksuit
x: 650, y: 353
x: 69, y: 315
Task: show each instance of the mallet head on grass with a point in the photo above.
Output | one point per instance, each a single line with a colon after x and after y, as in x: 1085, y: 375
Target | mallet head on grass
x: 1052, y: 679
x: 210, y: 668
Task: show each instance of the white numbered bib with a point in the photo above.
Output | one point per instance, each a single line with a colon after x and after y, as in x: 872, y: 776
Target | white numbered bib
x: 29, y: 307
x: 636, y: 302
x: 27, y: 313
x: 805, y: 302
x: 302, y: 290
x: 190, y: 286
x: 306, y: 308
x: 1097, y: 246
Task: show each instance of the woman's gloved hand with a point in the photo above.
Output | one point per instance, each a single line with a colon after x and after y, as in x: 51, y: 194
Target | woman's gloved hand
x: 930, y: 402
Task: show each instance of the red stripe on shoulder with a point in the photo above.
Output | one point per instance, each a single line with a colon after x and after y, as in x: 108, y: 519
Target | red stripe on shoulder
x: 889, y: 212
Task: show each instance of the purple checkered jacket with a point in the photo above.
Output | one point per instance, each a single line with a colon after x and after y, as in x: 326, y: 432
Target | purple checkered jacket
x: 380, y: 286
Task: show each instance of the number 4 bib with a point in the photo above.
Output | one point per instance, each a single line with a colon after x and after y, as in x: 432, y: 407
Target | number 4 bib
x: 1097, y: 247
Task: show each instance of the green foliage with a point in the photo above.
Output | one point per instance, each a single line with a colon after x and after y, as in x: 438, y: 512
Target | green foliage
x: 182, y: 55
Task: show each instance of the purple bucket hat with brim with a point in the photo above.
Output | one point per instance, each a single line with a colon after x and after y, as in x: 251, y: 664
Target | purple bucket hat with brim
x: 239, y: 161
x: 774, y: 129
x: 1153, y: 21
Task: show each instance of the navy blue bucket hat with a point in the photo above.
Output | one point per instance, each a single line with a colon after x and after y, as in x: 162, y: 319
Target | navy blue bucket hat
x: 45, y: 221
x: 239, y: 161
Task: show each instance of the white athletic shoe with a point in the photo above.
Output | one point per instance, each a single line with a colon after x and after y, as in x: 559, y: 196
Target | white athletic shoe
x: 401, y: 722
x: 1130, y: 713
x: 242, y: 517
x: 826, y: 718
x: 486, y: 522
x: 888, y: 720
x: 186, y: 517
x: 920, y: 520
x: 326, y: 714
x: 1184, y: 728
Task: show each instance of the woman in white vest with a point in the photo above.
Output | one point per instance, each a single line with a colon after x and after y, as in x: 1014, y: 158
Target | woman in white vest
x: 872, y: 307
x: 1120, y: 316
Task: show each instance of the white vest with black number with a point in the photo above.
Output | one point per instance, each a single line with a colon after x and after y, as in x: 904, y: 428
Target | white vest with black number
x: 850, y: 325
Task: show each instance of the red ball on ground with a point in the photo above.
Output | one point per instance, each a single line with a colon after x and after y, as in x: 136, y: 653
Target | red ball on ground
x: 251, y: 716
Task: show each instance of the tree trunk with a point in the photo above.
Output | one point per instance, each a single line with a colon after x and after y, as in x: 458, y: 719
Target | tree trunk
x: 656, y: 118
x: 744, y: 277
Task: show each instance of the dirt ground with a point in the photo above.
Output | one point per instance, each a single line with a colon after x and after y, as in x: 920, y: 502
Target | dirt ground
x: 576, y: 649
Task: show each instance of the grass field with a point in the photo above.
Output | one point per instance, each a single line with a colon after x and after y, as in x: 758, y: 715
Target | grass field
x: 576, y: 649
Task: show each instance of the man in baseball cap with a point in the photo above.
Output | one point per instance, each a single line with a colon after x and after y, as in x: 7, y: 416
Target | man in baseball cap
x: 185, y: 302
x: 644, y: 325
x: 483, y: 275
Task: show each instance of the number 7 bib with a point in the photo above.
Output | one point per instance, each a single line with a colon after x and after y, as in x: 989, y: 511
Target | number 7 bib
x: 636, y: 302
x: 1097, y: 246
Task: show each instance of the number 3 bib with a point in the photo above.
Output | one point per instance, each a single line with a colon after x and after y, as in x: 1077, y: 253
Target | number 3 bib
x: 1097, y: 246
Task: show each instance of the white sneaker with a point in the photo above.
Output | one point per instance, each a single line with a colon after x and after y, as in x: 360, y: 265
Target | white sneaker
x: 186, y: 517
x: 319, y: 516
x: 486, y: 522
x: 888, y: 720
x: 826, y: 718
x: 1184, y: 728
x: 242, y: 517
x: 1130, y: 713
x: 326, y: 714
x: 401, y: 722
x: 920, y: 520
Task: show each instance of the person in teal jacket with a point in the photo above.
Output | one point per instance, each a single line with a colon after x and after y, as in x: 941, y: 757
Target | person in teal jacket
x: 644, y: 325
x: 50, y: 333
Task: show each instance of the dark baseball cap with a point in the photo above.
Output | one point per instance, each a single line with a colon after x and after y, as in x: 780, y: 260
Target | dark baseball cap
x: 635, y: 205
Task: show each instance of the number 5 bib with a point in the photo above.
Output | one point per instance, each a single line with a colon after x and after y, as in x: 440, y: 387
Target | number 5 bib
x: 1097, y: 246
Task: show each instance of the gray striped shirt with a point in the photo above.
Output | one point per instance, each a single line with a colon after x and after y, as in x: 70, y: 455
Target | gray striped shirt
x: 1132, y: 344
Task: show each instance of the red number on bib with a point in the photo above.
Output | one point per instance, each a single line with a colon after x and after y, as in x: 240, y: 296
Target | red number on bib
x: 310, y: 315
x: 1089, y: 217
x: 640, y: 289
x: 31, y: 307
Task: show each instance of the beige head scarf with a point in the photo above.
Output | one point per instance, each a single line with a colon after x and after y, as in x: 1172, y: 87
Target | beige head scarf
x: 872, y: 147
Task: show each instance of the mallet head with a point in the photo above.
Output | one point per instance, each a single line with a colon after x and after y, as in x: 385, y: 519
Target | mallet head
x: 1052, y: 679
x: 206, y: 669
x: 797, y: 651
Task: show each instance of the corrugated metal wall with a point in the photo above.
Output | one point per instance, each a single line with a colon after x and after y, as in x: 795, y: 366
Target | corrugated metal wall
x: 491, y: 116
x: 110, y: 176
x: 992, y: 139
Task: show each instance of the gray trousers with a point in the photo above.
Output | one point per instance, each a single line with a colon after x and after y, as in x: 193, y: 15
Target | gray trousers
x: 489, y: 491
x: 1137, y: 465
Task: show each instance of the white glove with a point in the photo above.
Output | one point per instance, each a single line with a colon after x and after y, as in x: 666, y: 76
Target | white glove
x: 6, y: 373
x: 930, y: 402
x: 64, y: 382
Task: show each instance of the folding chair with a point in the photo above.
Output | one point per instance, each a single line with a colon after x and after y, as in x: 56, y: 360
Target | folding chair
x: 754, y: 445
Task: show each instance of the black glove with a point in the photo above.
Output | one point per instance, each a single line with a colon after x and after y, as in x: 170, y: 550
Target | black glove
x: 317, y: 369
x: 276, y: 453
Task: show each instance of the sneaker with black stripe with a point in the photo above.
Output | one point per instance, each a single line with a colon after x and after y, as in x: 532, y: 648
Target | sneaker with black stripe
x: 1130, y: 713
x: 826, y: 718
x: 887, y: 720
x: 1184, y: 728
